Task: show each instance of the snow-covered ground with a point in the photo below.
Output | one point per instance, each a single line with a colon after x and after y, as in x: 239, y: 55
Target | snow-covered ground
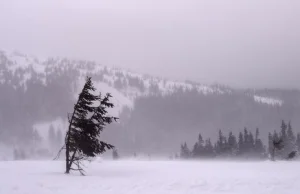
x: 153, y: 177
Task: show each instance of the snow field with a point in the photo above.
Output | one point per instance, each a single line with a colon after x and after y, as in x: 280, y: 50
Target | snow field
x: 151, y: 177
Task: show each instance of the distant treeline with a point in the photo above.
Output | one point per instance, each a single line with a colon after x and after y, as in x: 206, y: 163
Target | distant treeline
x: 283, y: 145
x: 147, y: 126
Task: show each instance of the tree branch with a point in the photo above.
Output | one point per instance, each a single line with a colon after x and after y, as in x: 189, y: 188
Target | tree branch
x: 58, y: 154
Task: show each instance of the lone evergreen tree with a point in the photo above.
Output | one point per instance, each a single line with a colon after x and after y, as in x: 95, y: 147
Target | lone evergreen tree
x: 282, y: 153
x: 88, y: 119
x: 251, y: 142
x: 276, y: 145
x: 220, y: 147
x: 270, y: 146
x: 198, y: 148
x: 291, y: 146
x: 209, y: 149
x: 290, y: 133
x: 195, y: 150
x: 241, y: 144
x: 184, y: 152
x: 246, y: 140
x: 283, y: 130
x: 232, y: 144
x: 259, y: 147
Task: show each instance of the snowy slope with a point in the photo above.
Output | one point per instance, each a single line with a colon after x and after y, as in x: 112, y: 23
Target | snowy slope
x: 157, y: 177
x: 268, y: 100
x: 108, y: 79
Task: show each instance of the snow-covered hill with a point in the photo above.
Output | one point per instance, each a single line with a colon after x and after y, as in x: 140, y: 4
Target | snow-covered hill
x: 123, y: 84
x: 39, y: 92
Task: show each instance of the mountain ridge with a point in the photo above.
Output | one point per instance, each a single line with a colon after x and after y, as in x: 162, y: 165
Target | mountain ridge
x: 16, y: 62
x: 36, y: 93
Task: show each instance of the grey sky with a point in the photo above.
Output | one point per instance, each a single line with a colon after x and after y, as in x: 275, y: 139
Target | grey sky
x: 243, y: 43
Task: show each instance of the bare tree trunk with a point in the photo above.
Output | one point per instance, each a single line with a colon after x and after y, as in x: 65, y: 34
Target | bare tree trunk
x: 67, y: 158
x: 67, y: 143
x: 69, y: 161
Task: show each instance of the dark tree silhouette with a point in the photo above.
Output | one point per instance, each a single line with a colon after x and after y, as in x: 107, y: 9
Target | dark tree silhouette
x: 292, y: 155
x: 283, y: 130
x: 198, y: 149
x: 209, y: 150
x: 277, y: 145
x: 259, y: 147
x: 290, y: 144
x: 246, y: 140
x: 184, y: 152
x: 220, y: 147
x: 298, y: 141
x: 290, y: 133
x: 283, y: 145
x: 88, y: 119
x: 241, y: 144
x: 232, y: 144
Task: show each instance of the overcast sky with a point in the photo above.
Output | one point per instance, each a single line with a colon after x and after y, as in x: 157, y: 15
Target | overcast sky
x: 243, y: 43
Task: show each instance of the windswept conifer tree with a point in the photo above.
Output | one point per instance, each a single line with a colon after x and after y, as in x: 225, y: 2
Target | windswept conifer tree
x: 89, y: 117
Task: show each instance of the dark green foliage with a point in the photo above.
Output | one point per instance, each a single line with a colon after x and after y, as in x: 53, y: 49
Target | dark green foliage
x: 88, y: 119
x: 247, y: 146
x: 202, y: 149
x: 285, y: 143
x: 280, y: 146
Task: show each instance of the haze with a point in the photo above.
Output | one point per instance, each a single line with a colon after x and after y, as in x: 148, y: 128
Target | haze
x: 250, y: 43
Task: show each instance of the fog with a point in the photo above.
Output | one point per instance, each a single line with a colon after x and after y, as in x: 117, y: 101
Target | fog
x: 149, y: 96
x: 240, y: 43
